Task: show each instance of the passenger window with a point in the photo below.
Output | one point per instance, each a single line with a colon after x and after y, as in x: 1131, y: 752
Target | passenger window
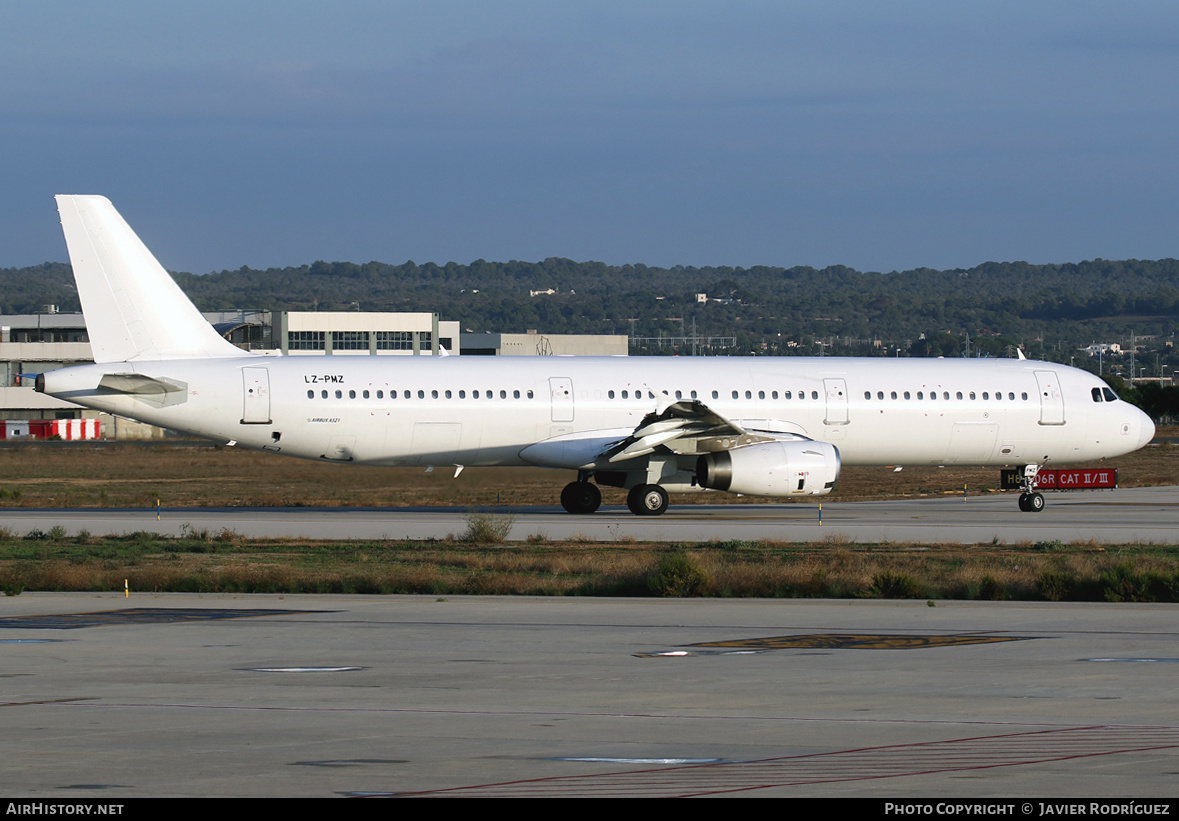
x: 715, y: 395
x: 920, y: 394
x: 421, y: 394
x: 381, y: 394
x: 787, y: 395
x: 867, y: 394
x: 351, y: 394
x: 323, y: 394
x: 906, y: 394
x: 1024, y: 395
x: 624, y: 395
x: 814, y: 394
x: 311, y: 394
x: 448, y: 396
x: 693, y: 394
x: 734, y: 394
x: 339, y: 394
x: 516, y: 394
x: 503, y: 394
x: 894, y: 394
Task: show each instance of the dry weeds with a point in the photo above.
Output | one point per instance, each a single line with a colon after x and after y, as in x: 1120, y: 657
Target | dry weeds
x: 1049, y: 571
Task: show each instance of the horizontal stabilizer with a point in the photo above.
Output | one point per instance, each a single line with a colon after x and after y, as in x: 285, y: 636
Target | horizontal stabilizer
x: 155, y: 391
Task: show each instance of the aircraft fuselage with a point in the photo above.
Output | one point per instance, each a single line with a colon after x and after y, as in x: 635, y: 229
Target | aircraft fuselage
x: 400, y: 410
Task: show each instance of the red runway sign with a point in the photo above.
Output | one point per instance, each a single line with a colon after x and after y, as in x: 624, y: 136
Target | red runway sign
x: 1065, y: 479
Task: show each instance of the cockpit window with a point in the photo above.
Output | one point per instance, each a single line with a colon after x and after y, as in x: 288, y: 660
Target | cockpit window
x: 1096, y: 394
x: 1110, y: 396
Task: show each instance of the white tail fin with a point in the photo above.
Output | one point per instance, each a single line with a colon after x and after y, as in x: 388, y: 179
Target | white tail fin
x: 134, y: 310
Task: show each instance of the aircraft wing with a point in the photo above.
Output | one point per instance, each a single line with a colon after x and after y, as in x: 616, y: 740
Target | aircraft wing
x: 684, y: 427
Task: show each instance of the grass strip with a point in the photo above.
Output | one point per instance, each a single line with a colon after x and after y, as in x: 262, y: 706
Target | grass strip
x: 226, y: 563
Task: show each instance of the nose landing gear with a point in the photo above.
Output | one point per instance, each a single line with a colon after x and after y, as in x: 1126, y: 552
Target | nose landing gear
x: 1030, y: 501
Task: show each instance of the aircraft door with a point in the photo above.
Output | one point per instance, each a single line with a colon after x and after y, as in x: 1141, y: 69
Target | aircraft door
x: 836, y: 390
x: 256, y: 393
x: 561, y: 388
x: 1051, y: 398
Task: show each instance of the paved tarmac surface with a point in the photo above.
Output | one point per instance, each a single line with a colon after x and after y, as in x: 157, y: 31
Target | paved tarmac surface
x: 1129, y: 515
x: 181, y: 695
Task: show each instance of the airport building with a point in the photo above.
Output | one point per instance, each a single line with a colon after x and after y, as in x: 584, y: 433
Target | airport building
x: 30, y: 344
x: 359, y: 333
x: 536, y: 344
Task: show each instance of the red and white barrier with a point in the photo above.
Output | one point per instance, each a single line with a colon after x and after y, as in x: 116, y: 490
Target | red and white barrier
x: 69, y: 429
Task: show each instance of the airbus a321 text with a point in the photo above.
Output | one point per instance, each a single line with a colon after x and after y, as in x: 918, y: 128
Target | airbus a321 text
x: 760, y: 426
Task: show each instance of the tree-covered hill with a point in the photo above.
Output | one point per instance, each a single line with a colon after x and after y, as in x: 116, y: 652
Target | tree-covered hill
x: 772, y: 310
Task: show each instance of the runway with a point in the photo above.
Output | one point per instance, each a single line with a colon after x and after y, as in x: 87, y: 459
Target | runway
x: 176, y: 695
x: 1124, y: 516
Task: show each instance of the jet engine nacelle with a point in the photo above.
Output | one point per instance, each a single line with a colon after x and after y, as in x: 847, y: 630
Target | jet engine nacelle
x: 772, y: 469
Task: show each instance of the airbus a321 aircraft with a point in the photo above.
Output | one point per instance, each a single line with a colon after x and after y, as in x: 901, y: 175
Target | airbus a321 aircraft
x: 773, y: 426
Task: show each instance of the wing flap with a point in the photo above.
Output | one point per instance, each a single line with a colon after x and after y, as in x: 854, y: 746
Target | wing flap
x: 684, y: 427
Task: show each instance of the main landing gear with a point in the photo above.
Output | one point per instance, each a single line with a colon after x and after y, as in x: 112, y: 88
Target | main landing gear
x: 583, y: 496
x: 647, y: 500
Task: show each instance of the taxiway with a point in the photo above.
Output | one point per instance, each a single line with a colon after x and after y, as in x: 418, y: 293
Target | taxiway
x: 176, y: 695
x: 1123, y: 516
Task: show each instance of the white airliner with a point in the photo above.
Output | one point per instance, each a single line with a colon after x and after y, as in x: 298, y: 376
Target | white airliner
x: 762, y: 426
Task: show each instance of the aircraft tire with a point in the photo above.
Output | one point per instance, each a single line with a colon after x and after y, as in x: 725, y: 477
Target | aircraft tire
x: 581, y: 497
x: 647, y: 500
x: 1023, y: 503
x: 1035, y: 502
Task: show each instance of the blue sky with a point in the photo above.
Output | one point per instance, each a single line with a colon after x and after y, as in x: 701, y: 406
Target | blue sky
x: 883, y: 136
